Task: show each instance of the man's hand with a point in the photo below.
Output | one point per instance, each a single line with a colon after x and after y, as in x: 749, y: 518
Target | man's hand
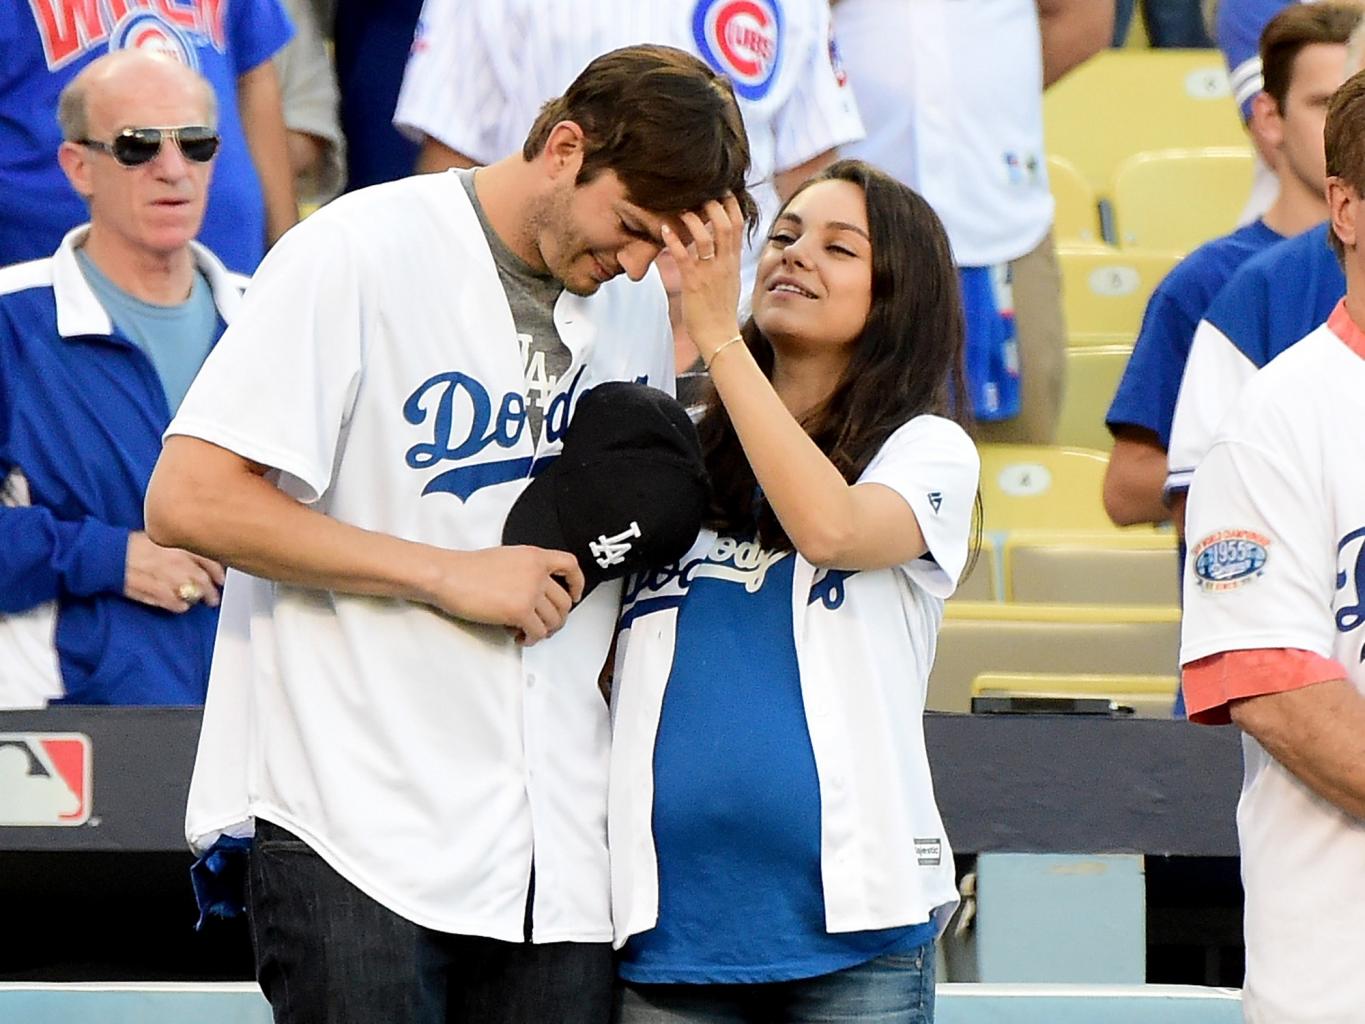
x: 527, y: 589
x: 166, y: 577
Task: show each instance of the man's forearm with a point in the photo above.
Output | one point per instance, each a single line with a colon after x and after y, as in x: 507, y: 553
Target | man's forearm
x: 1073, y: 31
x: 207, y: 501
x: 1318, y: 733
x: 258, y: 99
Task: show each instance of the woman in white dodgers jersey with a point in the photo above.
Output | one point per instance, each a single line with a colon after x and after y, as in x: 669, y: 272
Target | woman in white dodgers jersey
x: 776, y: 849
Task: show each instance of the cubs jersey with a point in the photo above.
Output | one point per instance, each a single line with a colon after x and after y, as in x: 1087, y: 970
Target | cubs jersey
x: 1276, y: 577
x: 952, y: 93
x: 46, y: 43
x: 375, y: 366
x: 1273, y: 300
x: 480, y: 72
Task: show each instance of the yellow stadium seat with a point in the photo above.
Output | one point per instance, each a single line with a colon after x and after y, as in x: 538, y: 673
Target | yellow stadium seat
x: 979, y: 637
x: 1099, y: 567
x: 1124, y: 102
x: 1148, y: 696
x: 1041, y: 487
x: 983, y: 581
x: 1178, y: 199
x: 1092, y: 377
x: 1106, y: 290
x: 1077, y: 217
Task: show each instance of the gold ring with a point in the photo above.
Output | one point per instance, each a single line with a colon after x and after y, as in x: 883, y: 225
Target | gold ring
x: 710, y: 257
x: 189, y: 593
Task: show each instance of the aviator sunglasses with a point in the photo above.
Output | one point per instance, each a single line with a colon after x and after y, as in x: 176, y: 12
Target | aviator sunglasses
x: 134, y: 147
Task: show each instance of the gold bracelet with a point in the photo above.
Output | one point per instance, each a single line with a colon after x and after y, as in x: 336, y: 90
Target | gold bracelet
x: 709, y: 363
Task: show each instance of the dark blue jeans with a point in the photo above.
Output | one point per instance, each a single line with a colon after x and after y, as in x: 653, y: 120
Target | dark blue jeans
x: 1171, y: 24
x: 328, y: 954
x: 893, y: 989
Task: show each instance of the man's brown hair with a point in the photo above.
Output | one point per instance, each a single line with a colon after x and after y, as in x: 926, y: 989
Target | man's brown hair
x: 1296, y: 28
x: 1344, y: 141
x: 662, y: 120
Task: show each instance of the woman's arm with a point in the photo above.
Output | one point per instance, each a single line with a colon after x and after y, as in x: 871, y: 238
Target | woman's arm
x: 830, y: 522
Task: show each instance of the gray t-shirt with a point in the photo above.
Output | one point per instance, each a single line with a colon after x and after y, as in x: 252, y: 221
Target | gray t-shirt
x: 532, y: 296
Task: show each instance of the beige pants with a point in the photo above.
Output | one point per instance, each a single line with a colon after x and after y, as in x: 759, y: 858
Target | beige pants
x: 1041, y: 333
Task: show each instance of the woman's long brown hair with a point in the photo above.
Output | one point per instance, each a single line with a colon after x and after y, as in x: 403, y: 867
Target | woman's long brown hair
x: 907, y: 361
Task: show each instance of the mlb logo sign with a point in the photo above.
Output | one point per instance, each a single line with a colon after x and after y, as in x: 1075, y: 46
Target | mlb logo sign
x: 45, y: 778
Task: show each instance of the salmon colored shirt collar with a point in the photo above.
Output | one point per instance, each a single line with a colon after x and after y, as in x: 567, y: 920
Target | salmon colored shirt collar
x: 1341, y: 324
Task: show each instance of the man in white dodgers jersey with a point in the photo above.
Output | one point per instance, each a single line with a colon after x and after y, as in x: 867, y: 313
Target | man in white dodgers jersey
x: 480, y: 70
x: 1272, y: 638
x: 394, y: 709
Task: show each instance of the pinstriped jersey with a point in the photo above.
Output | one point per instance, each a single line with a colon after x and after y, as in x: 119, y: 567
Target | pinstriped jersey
x: 480, y: 70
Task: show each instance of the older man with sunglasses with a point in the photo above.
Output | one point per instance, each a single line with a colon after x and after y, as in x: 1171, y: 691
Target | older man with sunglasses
x: 98, y: 344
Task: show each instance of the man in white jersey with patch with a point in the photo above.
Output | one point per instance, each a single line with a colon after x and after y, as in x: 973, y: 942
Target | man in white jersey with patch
x: 480, y: 70
x: 1272, y: 637
x: 394, y: 708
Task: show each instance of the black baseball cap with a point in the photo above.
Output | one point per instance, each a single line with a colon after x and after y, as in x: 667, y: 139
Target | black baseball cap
x: 628, y: 490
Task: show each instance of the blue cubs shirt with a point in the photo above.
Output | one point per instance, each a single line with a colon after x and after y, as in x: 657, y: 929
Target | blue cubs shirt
x: 1146, y: 395
x: 736, y: 795
x: 46, y: 43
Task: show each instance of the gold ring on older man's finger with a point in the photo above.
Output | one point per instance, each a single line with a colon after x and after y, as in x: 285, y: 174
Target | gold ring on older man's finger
x: 189, y: 593
x: 706, y: 256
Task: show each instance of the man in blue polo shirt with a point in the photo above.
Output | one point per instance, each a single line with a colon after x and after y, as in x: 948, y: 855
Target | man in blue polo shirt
x: 98, y: 344
x: 1303, y: 52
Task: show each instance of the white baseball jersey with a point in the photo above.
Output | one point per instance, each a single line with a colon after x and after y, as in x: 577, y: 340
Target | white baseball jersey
x: 375, y: 366
x: 480, y: 71
x: 864, y: 645
x: 952, y: 93
x: 29, y: 673
x: 1276, y: 524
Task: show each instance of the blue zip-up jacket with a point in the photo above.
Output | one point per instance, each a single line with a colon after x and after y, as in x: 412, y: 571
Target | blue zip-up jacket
x: 82, y: 412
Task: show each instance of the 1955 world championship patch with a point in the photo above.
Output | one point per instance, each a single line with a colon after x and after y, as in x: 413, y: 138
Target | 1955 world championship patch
x: 1230, y: 559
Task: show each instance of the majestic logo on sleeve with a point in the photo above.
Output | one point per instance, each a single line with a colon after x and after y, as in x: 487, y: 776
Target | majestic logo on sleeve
x: 70, y: 29
x: 1229, y: 559
x: 742, y: 40
x: 45, y: 778
x: 464, y: 423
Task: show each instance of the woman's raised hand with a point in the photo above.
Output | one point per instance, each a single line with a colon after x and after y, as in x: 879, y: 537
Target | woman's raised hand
x: 709, y: 271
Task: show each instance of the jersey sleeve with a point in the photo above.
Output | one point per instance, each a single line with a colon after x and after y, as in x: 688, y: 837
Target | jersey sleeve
x: 1260, y: 575
x: 257, y: 30
x: 821, y: 112
x: 280, y: 385
x: 450, y: 89
x: 1147, y: 392
x: 933, y: 465
x: 1215, y: 374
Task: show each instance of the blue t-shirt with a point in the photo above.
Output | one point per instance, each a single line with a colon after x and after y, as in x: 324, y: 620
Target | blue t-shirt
x: 736, y: 796
x: 1146, y: 395
x: 1279, y: 296
x: 1237, y: 32
x: 46, y: 43
x: 175, y: 338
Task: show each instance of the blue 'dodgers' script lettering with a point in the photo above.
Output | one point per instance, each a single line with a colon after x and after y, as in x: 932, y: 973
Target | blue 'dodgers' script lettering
x: 443, y: 398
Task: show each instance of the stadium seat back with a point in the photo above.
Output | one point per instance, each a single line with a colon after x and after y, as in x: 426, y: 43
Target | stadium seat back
x: 1105, y: 291
x: 1042, y: 487
x: 1077, y: 216
x: 1178, y: 199
x: 1123, y: 102
x: 983, y: 637
x: 1102, y: 567
x: 1092, y: 377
